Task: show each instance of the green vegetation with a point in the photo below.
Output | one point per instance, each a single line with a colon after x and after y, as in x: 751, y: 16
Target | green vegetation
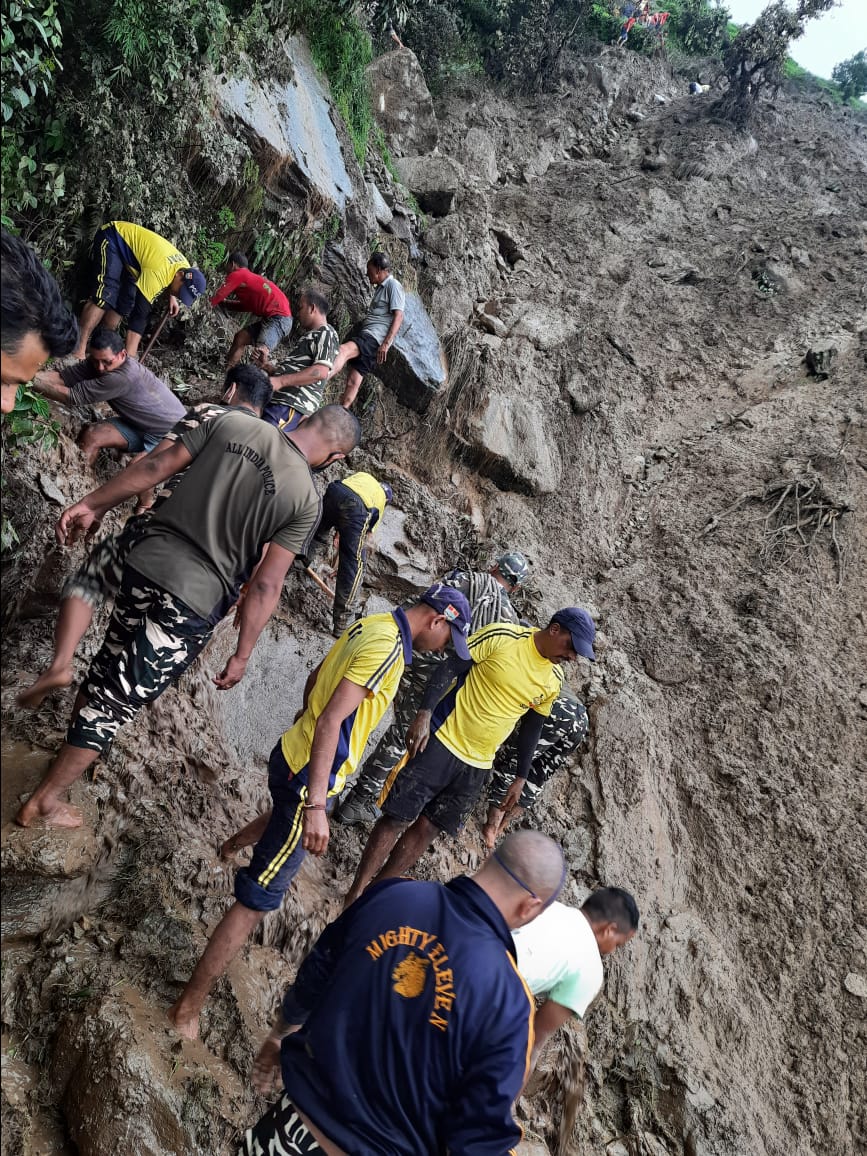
x: 30, y: 422
x: 851, y: 76
x: 342, y: 50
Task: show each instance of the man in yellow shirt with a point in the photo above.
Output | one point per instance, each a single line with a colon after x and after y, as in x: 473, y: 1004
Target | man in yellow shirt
x: 129, y: 267
x: 513, y: 674
x: 354, y: 507
x: 344, y: 699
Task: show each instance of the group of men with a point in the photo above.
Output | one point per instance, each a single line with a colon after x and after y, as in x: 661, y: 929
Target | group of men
x: 409, y: 1026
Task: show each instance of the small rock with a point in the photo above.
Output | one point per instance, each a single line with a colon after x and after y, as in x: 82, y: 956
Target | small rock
x: 856, y: 984
x: 50, y: 490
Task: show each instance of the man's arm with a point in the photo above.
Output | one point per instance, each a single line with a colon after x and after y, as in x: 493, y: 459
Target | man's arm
x: 346, y: 699
x: 309, y: 376
x: 50, y: 384
x: 388, y: 340
x: 263, y: 594
x: 443, y: 676
x: 549, y: 1017
x: 141, y: 475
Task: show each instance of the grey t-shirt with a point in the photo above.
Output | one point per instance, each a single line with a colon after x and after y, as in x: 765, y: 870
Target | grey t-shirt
x: 135, y: 394
x: 247, y: 485
x: 387, y: 297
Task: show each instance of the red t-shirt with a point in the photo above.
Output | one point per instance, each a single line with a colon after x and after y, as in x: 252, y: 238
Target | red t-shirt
x: 256, y: 294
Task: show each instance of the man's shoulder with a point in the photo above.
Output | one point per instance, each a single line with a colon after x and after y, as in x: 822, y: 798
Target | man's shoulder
x: 500, y: 635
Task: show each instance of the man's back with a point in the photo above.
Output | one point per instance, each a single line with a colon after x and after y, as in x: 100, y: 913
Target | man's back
x: 418, y: 1035
x: 247, y: 485
x: 131, y: 390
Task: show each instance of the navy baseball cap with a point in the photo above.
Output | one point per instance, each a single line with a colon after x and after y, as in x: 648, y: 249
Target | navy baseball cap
x: 454, y: 607
x: 192, y: 287
x: 582, y: 628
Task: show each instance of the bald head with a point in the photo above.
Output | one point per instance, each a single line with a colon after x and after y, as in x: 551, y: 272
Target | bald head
x: 339, y: 428
x: 523, y: 876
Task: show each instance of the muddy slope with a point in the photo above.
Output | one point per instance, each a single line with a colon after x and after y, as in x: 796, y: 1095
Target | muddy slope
x: 658, y: 281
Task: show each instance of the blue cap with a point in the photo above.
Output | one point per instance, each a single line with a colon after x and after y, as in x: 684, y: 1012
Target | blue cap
x: 582, y: 628
x: 193, y: 286
x: 455, y: 608
x: 389, y: 493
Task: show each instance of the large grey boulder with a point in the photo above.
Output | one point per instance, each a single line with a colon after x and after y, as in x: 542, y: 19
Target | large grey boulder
x: 402, y: 103
x: 433, y: 181
x: 416, y: 366
x: 288, y: 126
x: 508, y: 441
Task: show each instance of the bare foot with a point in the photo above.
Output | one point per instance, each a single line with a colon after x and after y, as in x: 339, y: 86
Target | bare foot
x: 489, y: 835
x: 61, y: 815
x: 184, y: 1024
x: 33, y: 696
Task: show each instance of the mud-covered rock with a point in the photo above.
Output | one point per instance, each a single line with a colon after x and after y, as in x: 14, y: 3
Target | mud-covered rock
x: 433, y: 181
x: 402, y: 103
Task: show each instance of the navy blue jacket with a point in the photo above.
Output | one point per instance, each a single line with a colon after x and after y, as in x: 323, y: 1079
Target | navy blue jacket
x: 417, y: 1031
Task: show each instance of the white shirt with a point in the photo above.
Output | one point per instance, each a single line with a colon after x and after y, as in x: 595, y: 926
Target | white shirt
x: 558, y: 957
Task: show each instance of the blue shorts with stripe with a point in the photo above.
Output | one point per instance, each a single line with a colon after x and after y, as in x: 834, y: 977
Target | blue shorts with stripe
x: 113, y: 284
x: 278, y: 855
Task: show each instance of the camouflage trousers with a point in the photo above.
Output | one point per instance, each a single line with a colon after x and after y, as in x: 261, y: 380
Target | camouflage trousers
x: 101, y: 574
x: 280, y: 1132
x: 151, y: 640
x: 562, y: 733
x: 392, y: 746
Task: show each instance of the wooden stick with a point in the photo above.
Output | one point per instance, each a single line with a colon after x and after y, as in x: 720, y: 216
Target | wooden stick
x: 154, y: 336
x: 322, y: 585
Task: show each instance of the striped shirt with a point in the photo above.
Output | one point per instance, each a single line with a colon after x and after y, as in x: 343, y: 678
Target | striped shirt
x: 508, y: 677
x: 372, y: 653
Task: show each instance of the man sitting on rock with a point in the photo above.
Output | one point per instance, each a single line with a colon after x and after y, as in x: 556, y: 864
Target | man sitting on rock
x: 35, y: 324
x: 354, y: 507
x: 368, y: 343
x: 299, y: 380
x: 560, y: 956
x: 145, y: 406
x: 344, y: 699
x: 487, y: 592
x: 246, y: 388
x: 244, y: 291
x: 245, y: 485
x: 130, y: 267
x: 509, y: 796
x: 512, y: 674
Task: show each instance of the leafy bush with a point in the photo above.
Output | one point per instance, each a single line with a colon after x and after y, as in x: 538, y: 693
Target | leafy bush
x: 30, y: 422
x: 851, y: 76
x: 699, y: 27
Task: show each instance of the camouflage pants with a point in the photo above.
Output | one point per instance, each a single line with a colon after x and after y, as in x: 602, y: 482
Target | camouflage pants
x: 151, y: 640
x: 562, y: 733
x: 392, y: 746
x: 280, y: 1132
x: 101, y: 574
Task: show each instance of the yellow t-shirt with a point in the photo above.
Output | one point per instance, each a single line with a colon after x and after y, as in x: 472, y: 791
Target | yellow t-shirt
x: 372, y: 653
x: 508, y: 677
x: 158, y: 259
x: 369, y: 490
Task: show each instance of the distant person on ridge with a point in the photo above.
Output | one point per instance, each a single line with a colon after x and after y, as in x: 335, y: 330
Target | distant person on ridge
x: 244, y: 291
x: 367, y: 343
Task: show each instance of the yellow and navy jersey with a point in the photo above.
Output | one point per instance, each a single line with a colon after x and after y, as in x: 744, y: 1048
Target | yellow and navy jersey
x: 150, y: 258
x: 508, y: 677
x: 369, y: 490
x: 372, y: 653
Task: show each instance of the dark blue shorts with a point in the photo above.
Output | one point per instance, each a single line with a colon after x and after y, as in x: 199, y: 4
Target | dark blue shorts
x: 113, y: 284
x: 284, y: 417
x: 368, y: 348
x: 278, y: 855
x: 438, y: 785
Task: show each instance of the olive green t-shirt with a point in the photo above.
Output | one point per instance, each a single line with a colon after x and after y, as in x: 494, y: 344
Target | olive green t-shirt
x: 246, y: 485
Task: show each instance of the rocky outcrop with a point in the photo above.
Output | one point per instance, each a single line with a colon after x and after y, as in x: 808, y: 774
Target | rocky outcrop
x: 288, y: 126
x: 416, y: 367
x: 508, y: 441
x: 432, y: 180
x: 402, y: 103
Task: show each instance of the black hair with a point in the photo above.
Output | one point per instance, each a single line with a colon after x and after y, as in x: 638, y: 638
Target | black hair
x: 31, y: 302
x: 240, y: 259
x: 379, y: 260
x: 340, y: 428
x: 612, y: 905
x: 105, y: 338
x: 254, y: 384
x: 318, y: 300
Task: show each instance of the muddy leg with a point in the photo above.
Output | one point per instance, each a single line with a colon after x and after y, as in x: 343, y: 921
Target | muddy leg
x: 44, y: 805
x: 382, y: 839
x: 409, y: 849
x: 72, y: 623
x: 230, y: 935
x: 492, y: 826
x: 246, y: 837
